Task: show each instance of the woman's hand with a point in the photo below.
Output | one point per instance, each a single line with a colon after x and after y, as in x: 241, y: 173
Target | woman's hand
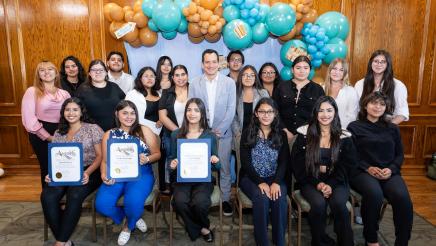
x: 387, y: 173
x: 47, y: 179
x: 173, y: 164
x: 159, y: 124
x: 264, y: 188
x: 106, y: 180
x: 275, y: 191
x: 326, y: 191
x: 85, y: 178
x: 214, y: 159
x: 143, y: 159
x: 376, y: 172
x: 49, y: 138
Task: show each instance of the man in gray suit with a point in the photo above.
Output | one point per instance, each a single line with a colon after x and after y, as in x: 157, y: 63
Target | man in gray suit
x: 218, y: 93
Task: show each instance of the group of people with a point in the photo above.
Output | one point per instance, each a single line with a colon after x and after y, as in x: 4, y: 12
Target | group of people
x: 330, y: 138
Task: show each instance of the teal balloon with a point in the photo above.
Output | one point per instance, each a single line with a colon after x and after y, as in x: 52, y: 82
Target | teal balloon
x: 230, y: 13
x: 294, y: 43
x: 183, y: 26
x: 147, y: 7
x: 311, y: 73
x: 182, y: 3
x: 260, y: 33
x: 286, y: 73
x: 281, y: 19
x: 152, y: 25
x: 263, y: 12
x: 336, y: 25
x: 230, y: 38
x: 169, y: 35
x: 167, y: 16
x: 338, y: 49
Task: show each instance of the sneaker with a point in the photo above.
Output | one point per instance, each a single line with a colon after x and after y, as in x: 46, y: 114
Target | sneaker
x: 227, y: 209
x: 124, y: 237
x: 141, y: 225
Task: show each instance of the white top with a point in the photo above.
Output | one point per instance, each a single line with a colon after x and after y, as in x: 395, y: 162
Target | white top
x: 126, y: 81
x: 400, y: 95
x: 211, y: 96
x: 348, y: 105
x: 179, y: 111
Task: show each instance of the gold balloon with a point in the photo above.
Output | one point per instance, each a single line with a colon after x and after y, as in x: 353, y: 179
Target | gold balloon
x: 114, y: 26
x: 140, y: 19
x: 219, y: 26
x: 128, y: 15
x: 196, y: 40
x: 203, y: 30
x: 131, y: 36
x: 209, y: 4
x: 107, y: 11
x: 218, y: 11
x: 194, y: 30
x: 185, y: 12
x: 212, y: 38
x: 298, y: 27
x: 310, y: 16
x: 295, y: 2
x: 192, y: 8
x: 117, y: 13
x: 137, y: 6
x: 148, y: 37
x: 298, y: 16
x: 196, y: 17
x: 206, y: 14
x: 213, y: 19
x: 288, y: 36
x: 211, y: 30
x: 205, y: 24
x: 136, y: 43
x: 126, y: 8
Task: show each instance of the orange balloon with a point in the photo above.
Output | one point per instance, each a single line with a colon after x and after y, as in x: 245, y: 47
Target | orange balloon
x: 192, y: 8
x: 107, y: 11
x: 206, y: 14
x: 264, y: 2
x: 213, y: 19
x: 197, y: 2
x: 199, y: 9
x: 126, y: 8
x: 196, y: 17
x: 298, y: 16
x: 307, y: 2
x: 136, y: 43
x: 205, y: 24
x: 140, y: 19
x: 212, y: 38
x: 219, y: 26
x: 115, y: 25
x: 131, y: 36
x: 211, y: 30
x: 196, y: 40
x: 185, y: 12
x: 203, y: 30
x: 209, y: 4
x: 288, y: 36
x: 311, y: 16
x: 223, y: 21
x: 298, y: 27
x: 194, y: 30
x: 117, y: 13
x: 272, y: 2
x: 137, y: 6
x: 293, y: 7
x: 295, y: 2
x: 218, y: 11
x: 148, y: 37
x: 128, y: 15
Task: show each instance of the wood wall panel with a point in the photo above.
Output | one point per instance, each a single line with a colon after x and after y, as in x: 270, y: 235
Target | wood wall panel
x: 408, y: 134
x: 10, y: 141
x: 7, y: 95
x: 429, y: 141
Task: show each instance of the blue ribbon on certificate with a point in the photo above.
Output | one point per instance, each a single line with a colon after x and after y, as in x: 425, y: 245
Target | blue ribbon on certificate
x: 65, y: 164
x: 193, y: 157
x: 123, y: 159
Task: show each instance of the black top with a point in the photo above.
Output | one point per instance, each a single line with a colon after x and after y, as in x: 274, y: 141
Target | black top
x: 247, y: 168
x: 167, y: 101
x: 151, y: 113
x: 379, y: 145
x: 294, y: 115
x: 248, y: 113
x: 101, y: 102
x: 70, y: 87
x: 336, y: 174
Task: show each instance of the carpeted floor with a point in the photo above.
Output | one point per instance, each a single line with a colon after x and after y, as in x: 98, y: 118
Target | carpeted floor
x: 21, y: 223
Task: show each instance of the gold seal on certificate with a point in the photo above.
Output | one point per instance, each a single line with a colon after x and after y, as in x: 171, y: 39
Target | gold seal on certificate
x: 123, y: 159
x: 58, y: 175
x: 65, y: 163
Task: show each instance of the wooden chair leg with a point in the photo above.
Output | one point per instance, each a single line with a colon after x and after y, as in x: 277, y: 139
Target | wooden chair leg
x: 240, y: 224
x: 171, y: 224
x: 299, y: 227
x: 104, y: 230
x: 45, y: 230
x: 221, y: 223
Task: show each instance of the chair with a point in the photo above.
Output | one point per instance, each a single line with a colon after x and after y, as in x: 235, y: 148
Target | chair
x: 216, y: 201
x: 88, y: 203
x: 242, y: 200
x: 356, y: 197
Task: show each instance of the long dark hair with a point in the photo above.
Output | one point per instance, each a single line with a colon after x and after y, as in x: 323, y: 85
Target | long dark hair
x: 239, y: 86
x: 135, y: 129
x: 96, y: 62
x: 203, y: 118
x: 176, y: 67
x: 161, y: 61
x: 374, y: 97
x: 140, y: 87
x: 276, y: 77
x: 313, y: 155
x: 388, y: 79
x: 81, y: 75
x: 64, y: 125
x: 253, y: 129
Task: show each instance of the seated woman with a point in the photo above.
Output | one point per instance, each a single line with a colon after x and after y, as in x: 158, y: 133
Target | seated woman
x: 192, y: 200
x: 264, y: 156
x: 74, y: 126
x: 378, y: 174
x: 323, y: 155
x: 135, y: 192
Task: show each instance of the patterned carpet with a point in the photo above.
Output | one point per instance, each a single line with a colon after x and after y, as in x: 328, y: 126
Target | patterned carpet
x: 21, y: 223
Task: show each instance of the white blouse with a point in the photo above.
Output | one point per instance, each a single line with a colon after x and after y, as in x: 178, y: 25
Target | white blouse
x: 348, y: 105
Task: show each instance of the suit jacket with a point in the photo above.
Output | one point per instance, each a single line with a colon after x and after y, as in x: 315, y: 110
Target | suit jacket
x: 225, y: 102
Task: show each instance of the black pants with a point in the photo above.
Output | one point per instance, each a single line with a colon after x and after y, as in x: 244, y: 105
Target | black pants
x: 192, y: 203
x: 318, y: 213
x: 373, y: 191
x: 63, y: 222
x: 40, y: 147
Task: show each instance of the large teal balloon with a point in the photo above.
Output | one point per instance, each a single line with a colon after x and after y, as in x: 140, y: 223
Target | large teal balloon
x: 338, y: 49
x: 260, y: 33
x: 182, y: 3
x: 286, y: 73
x: 169, y: 35
x: 230, y: 13
x: 280, y: 19
x: 335, y: 24
x: 183, y: 27
x: 263, y: 12
x: 152, y: 25
x: 294, y: 43
x: 147, y: 7
x: 167, y: 16
x: 232, y: 40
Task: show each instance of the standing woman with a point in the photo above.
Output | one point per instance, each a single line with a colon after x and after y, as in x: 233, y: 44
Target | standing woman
x: 269, y: 77
x: 337, y: 85
x: 380, y: 77
x: 264, y: 157
x: 171, y: 112
x: 74, y: 126
x: 146, y: 97
x: 135, y: 192
x: 163, y: 69
x: 296, y: 98
x: 40, y: 111
x: 378, y: 175
x: 72, y: 74
x: 100, y: 96
x: 192, y: 200
x: 323, y: 155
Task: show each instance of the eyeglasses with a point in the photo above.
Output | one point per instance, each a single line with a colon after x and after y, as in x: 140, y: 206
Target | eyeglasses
x: 97, y: 70
x: 248, y: 76
x: 149, y: 76
x: 236, y: 60
x: 269, y: 73
x: 263, y: 112
x: 382, y: 62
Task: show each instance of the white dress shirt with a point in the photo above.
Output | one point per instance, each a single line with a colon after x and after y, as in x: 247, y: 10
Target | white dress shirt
x: 211, y: 96
x: 126, y: 81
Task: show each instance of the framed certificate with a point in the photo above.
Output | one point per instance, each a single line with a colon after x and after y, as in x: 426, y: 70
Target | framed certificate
x: 65, y: 164
x: 123, y: 159
x: 194, y: 160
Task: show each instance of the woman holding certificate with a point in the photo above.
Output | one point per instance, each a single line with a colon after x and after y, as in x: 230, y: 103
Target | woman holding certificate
x: 136, y: 191
x: 74, y: 127
x: 192, y: 199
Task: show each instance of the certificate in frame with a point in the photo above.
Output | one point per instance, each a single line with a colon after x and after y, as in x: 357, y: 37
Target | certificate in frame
x: 65, y: 164
x: 123, y: 159
x: 194, y: 164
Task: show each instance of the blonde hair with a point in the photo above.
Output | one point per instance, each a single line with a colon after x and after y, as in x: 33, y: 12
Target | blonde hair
x: 37, y: 82
x: 345, y: 79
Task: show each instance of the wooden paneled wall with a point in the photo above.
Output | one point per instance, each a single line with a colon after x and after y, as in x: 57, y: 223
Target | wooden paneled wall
x: 35, y: 30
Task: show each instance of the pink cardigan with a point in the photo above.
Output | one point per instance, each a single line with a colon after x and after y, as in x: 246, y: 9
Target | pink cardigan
x: 47, y: 108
